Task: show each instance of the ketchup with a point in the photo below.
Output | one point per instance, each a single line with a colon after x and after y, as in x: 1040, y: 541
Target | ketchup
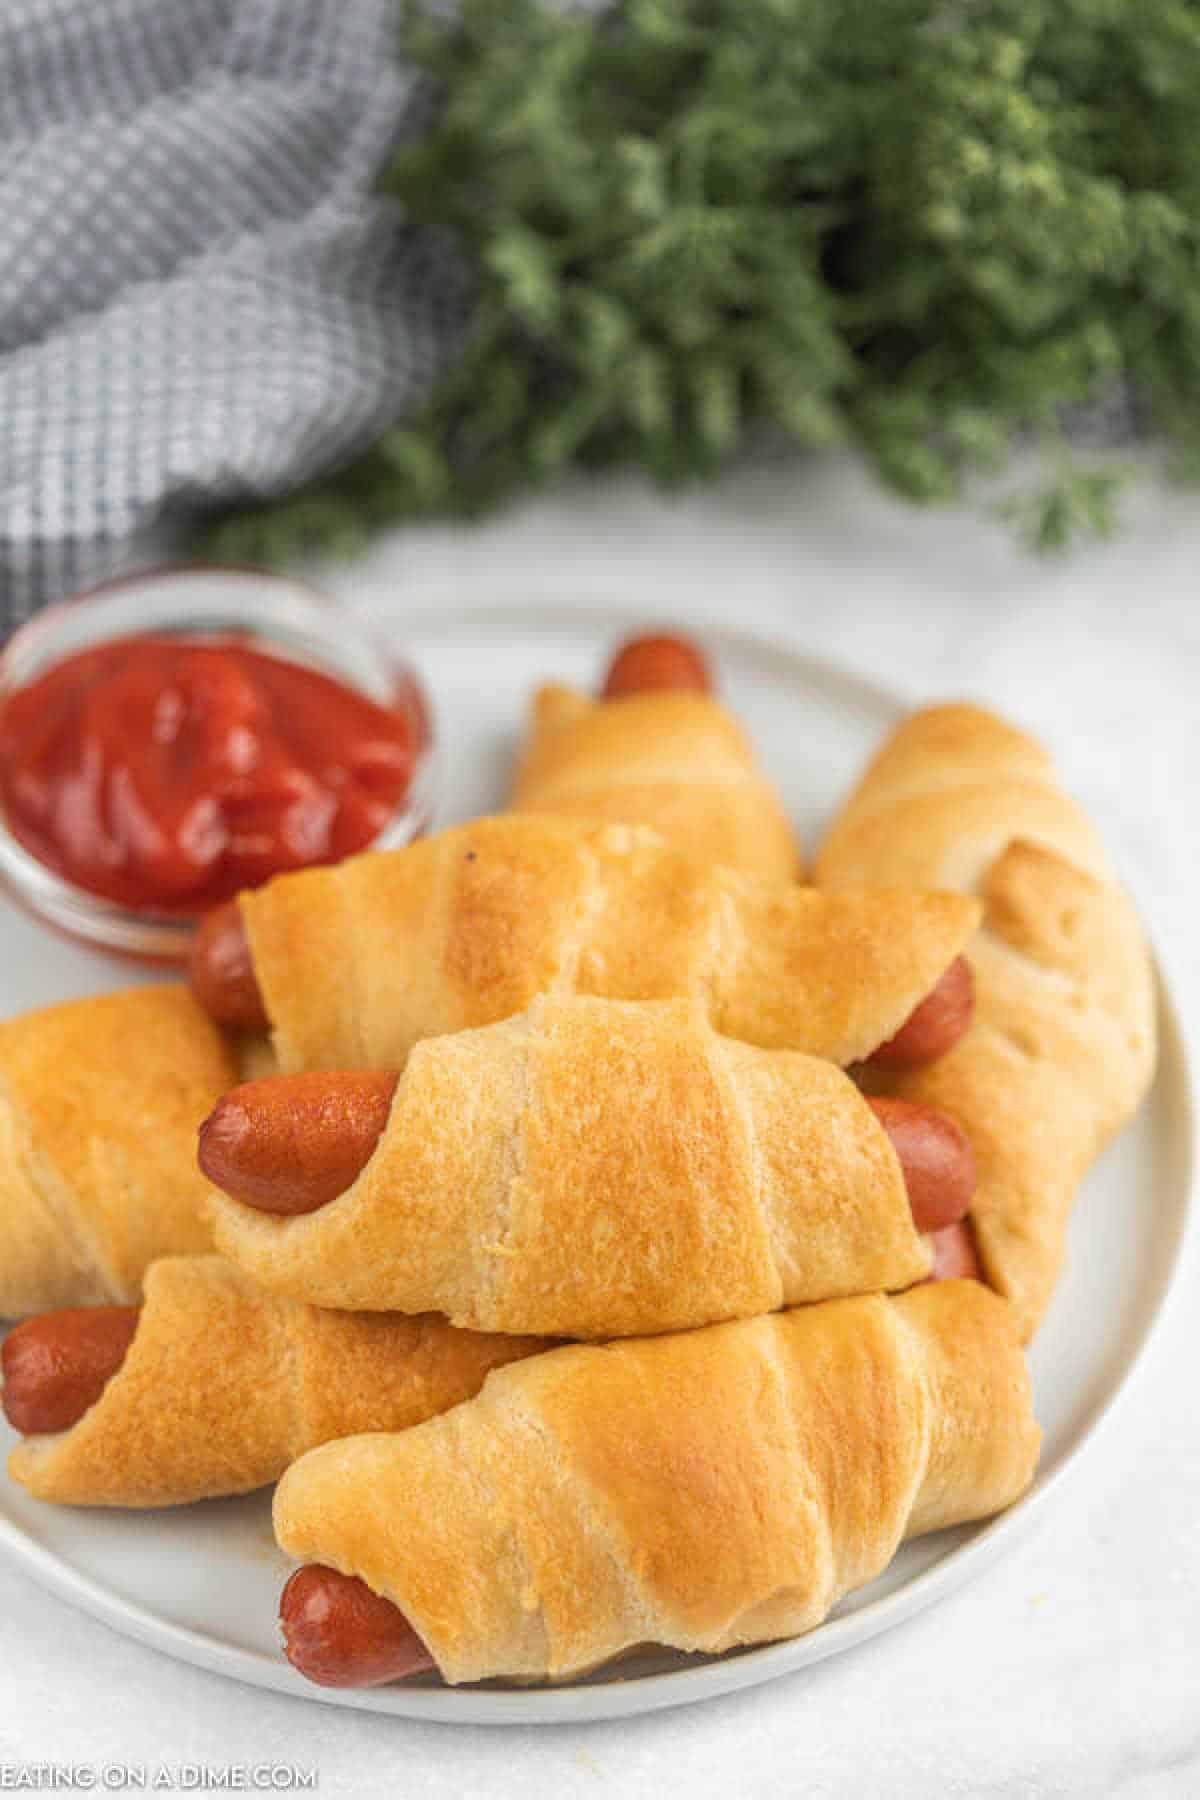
x: 169, y: 773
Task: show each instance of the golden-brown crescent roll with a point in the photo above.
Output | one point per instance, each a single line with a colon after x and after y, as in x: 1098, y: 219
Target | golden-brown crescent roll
x: 358, y: 963
x: 224, y: 1386
x: 715, y: 1488
x: 598, y: 1168
x: 100, y: 1100
x: 678, y: 762
x: 1062, y: 1047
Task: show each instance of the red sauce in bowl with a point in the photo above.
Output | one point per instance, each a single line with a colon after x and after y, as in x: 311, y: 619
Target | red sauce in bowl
x: 167, y: 774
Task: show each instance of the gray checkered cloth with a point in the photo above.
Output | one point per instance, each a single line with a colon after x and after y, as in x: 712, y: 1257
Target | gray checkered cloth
x: 200, y: 298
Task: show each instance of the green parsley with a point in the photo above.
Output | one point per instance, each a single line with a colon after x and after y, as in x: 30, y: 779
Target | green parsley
x: 926, y: 229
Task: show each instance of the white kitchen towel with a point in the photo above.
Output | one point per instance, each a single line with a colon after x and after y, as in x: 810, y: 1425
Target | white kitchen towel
x: 200, y: 296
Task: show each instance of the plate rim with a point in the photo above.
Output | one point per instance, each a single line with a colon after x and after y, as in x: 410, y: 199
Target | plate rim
x: 617, y: 1698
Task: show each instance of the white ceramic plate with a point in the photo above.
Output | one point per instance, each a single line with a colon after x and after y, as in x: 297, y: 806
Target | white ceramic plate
x: 202, y: 1582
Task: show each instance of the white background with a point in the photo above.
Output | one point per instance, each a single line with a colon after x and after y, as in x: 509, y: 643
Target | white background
x: 1072, y: 1666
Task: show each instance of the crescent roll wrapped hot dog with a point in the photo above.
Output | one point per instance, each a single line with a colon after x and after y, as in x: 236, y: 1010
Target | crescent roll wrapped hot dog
x: 658, y: 749
x: 99, y: 1104
x: 704, y: 1490
x: 595, y: 1168
x: 214, y: 1387
x: 293, y: 1143
x: 353, y: 965
x: 676, y: 761
x: 1062, y: 1047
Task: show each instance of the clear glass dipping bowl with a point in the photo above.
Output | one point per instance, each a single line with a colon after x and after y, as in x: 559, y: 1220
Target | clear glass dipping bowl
x: 246, y: 606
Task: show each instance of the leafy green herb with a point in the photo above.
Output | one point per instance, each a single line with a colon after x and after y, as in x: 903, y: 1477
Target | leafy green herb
x: 924, y: 227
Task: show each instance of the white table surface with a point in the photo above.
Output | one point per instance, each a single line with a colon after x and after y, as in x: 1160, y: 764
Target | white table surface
x: 1071, y: 1667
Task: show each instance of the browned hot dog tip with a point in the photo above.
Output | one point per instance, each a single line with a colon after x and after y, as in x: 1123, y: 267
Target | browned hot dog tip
x: 645, y: 664
x: 955, y: 1255
x: 339, y: 1633
x: 221, y: 971
x: 936, y: 1159
x: 57, y: 1365
x: 292, y: 1143
x: 935, y: 1026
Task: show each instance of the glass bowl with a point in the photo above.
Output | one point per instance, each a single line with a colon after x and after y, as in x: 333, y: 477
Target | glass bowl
x: 246, y: 606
